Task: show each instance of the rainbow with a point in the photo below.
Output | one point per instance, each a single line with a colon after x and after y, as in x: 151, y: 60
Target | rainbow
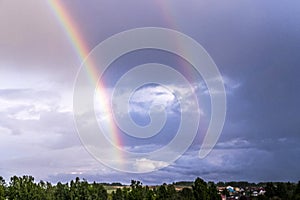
x: 169, y: 18
x: 77, y: 41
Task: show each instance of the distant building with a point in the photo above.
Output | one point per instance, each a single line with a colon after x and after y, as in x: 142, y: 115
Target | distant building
x: 255, y: 193
x: 230, y: 189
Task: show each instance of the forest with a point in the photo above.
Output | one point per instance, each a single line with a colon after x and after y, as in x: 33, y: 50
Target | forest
x: 26, y: 188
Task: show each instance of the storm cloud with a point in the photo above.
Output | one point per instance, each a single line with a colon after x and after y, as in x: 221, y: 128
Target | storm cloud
x: 255, y: 45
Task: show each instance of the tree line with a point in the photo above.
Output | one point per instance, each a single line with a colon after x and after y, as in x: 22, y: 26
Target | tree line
x: 199, y: 190
x: 26, y: 188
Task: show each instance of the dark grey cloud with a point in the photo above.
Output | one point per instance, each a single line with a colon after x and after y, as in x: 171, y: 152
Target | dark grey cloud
x: 255, y: 45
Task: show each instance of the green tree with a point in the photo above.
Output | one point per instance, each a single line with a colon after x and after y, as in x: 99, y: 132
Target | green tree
x: 186, y: 194
x: 50, y: 191
x: 126, y: 192
x: 261, y: 197
x: 270, y: 190
x: 23, y: 188
x: 281, y: 191
x: 138, y: 192
x: 296, y: 194
x: 149, y: 194
x: 171, y: 192
x: 200, y: 189
x: 84, y: 190
x: 2, y: 188
x: 118, y: 195
x: 75, y: 189
x: 62, y: 192
x: 161, y: 192
x: 221, y: 184
x: 97, y: 192
x: 213, y: 192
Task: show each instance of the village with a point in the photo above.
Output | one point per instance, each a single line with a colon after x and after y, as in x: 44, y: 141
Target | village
x: 230, y: 192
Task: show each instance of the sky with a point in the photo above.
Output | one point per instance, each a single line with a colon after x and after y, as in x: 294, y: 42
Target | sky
x: 254, y: 44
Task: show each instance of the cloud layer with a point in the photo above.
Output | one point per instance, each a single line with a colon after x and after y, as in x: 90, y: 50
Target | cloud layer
x: 255, y: 45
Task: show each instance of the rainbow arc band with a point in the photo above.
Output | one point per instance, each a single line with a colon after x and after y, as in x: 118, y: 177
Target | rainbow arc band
x: 77, y: 41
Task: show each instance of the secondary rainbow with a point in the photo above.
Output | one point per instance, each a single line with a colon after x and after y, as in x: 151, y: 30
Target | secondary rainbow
x: 82, y: 51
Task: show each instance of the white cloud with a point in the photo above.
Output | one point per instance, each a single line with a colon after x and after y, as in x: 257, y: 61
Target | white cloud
x: 144, y: 164
x: 143, y: 148
x: 235, y: 143
x: 229, y: 84
x: 42, y: 163
x: 143, y: 99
